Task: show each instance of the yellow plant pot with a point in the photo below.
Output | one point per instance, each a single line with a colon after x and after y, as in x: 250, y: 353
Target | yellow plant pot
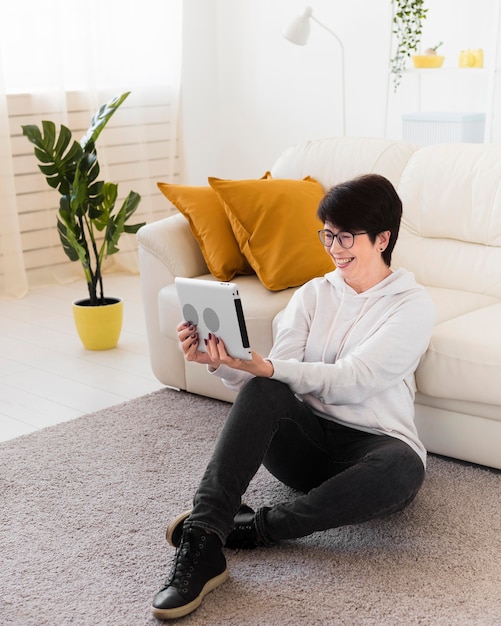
x: 98, y: 327
x: 427, y: 60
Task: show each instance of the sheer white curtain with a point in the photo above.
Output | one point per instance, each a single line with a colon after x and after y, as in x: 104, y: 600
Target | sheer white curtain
x: 61, y: 60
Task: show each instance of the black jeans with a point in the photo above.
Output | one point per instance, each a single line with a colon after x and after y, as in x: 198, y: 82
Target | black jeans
x: 346, y: 476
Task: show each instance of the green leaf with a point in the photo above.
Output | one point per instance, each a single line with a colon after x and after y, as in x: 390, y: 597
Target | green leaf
x: 49, y: 134
x: 117, y: 225
x: 101, y: 118
x: 407, y: 20
x: 48, y: 170
x: 42, y: 156
x: 63, y: 140
x: 71, y: 235
x: 51, y: 152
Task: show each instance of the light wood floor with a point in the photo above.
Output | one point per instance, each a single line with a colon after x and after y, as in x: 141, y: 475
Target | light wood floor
x: 47, y: 376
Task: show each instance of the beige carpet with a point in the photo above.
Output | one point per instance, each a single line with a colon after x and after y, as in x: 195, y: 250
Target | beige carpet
x: 84, y: 507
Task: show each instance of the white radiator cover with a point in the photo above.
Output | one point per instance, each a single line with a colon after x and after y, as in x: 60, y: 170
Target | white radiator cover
x: 442, y: 127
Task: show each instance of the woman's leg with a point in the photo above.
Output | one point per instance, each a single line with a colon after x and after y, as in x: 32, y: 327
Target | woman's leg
x: 262, y: 407
x: 368, y: 476
x: 348, y: 476
x: 199, y: 565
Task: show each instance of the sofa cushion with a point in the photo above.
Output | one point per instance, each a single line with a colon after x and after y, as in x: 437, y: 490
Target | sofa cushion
x: 275, y: 223
x: 210, y: 227
x: 463, y: 361
x: 337, y: 159
x: 451, y: 303
x: 451, y: 225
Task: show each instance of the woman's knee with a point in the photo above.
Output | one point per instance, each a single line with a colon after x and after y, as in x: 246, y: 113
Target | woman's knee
x: 257, y: 402
x: 264, y: 390
x: 398, y: 467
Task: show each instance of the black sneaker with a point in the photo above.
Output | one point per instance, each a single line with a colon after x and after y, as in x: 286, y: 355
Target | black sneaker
x: 199, y: 567
x: 245, y: 535
x: 175, y: 529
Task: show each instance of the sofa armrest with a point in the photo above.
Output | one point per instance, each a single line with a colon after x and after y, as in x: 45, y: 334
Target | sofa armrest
x: 172, y: 242
x: 166, y: 249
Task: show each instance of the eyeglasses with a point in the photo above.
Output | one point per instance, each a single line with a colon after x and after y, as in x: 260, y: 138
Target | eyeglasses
x: 345, y: 238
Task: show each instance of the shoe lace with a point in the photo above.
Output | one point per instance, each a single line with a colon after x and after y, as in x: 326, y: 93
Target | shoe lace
x: 186, y: 558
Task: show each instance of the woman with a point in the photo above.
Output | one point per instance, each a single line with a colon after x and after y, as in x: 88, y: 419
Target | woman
x: 330, y: 411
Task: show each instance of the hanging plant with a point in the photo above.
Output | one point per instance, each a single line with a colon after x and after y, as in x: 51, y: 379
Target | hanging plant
x: 408, y: 16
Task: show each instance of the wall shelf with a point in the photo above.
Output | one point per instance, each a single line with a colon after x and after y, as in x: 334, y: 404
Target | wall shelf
x: 452, y: 88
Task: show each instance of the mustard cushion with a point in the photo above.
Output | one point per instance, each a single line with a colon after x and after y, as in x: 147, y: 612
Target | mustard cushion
x: 210, y: 227
x: 275, y: 223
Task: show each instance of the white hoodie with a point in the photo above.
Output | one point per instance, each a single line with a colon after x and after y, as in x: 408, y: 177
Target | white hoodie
x: 352, y: 356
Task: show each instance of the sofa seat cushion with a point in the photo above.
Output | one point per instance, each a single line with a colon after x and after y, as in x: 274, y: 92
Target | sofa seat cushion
x: 260, y: 305
x: 463, y: 361
x: 451, y: 303
x: 478, y: 409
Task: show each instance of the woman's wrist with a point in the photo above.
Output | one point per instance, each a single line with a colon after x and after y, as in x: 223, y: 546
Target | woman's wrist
x: 271, y: 368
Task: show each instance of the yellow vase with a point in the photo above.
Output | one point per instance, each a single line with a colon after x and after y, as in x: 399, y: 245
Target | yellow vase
x: 471, y: 58
x: 98, y: 327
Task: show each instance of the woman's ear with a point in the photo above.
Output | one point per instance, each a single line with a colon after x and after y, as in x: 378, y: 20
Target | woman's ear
x: 383, y: 239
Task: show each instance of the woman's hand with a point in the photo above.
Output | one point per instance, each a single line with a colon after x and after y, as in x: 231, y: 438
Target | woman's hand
x: 257, y: 366
x: 216, y: 354
x: 188, y: 339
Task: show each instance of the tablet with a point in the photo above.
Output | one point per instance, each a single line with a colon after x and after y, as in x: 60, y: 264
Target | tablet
x: 215, y: 307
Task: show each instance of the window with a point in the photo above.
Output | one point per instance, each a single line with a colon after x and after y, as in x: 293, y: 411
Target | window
x: 61, y: 60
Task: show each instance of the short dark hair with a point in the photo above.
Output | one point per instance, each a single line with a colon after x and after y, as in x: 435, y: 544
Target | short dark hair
x: 367, y: 203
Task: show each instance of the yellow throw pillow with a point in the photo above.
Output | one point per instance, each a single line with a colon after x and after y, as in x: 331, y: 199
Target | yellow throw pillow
x: 275, y: 223
x: 210, y: 227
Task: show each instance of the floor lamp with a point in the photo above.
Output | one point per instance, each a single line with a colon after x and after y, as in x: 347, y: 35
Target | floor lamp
x: 298, y: 32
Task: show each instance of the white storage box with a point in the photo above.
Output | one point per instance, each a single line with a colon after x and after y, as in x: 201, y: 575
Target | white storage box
x: 431, y: 128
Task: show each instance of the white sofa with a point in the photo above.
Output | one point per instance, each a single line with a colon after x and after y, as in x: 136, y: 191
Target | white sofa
x: 450, y: 239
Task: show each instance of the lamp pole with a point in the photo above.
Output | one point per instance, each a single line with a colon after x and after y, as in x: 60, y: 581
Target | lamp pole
x: 343, y: 82
x: 298, y: 32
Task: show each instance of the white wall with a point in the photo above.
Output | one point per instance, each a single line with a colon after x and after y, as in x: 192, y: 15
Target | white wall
x: 247, y: 93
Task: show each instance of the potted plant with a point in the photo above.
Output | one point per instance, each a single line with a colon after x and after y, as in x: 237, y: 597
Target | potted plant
x: 88, y: 225
x: 407, y: 23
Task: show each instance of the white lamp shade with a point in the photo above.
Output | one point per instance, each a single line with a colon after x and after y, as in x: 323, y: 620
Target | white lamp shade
x: 298, y: 30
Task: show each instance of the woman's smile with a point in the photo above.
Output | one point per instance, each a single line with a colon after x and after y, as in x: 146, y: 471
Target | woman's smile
x: 343, y: 261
